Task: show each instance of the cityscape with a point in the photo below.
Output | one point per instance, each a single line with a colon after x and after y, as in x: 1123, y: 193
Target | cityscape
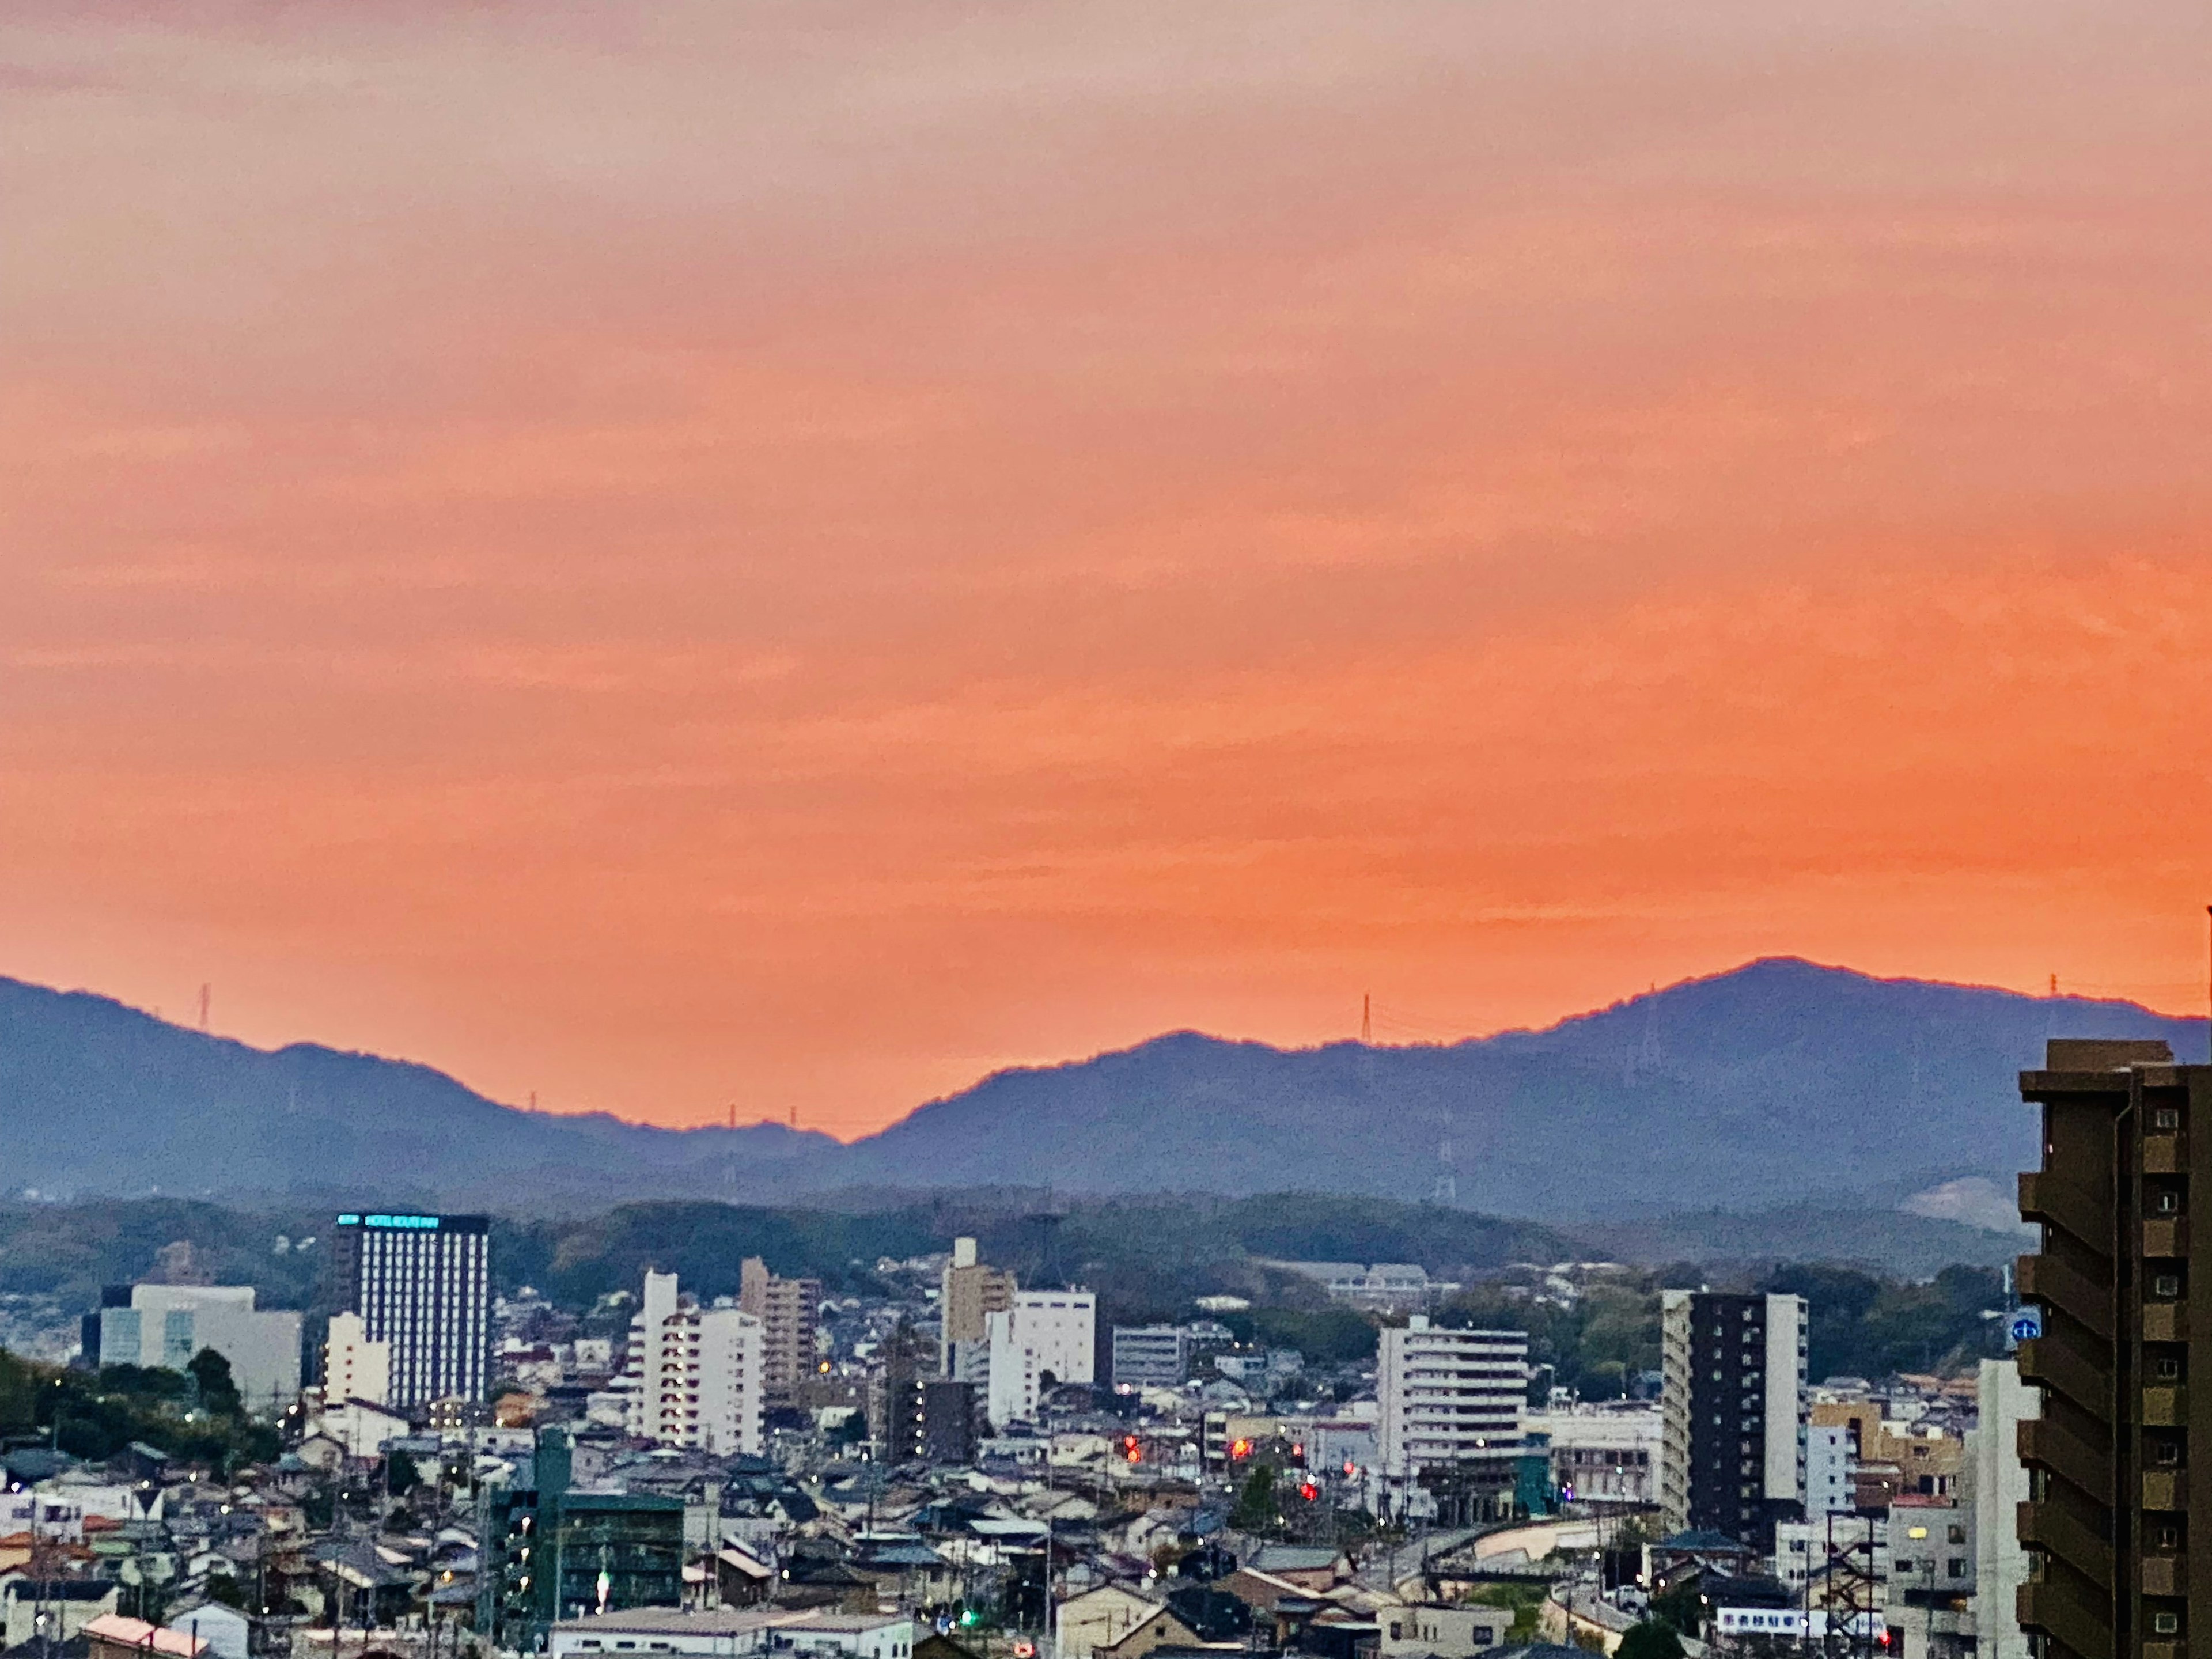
x: 957, y: 1463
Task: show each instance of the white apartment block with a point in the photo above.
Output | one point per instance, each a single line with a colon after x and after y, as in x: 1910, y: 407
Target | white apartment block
x: 1062, y: 1328
x: 1449, y: 1397
x: 1011, y: 1388
x: 355, y: 1368
x: 693, y: 1375
x: 2000, y: 1486
x: 1829, y: 1489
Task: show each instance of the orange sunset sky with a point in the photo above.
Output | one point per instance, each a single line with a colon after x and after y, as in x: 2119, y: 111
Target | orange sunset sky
x: 793, y: 554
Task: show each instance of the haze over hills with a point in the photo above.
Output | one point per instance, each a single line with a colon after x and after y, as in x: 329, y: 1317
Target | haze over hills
x: 1779, y: 1083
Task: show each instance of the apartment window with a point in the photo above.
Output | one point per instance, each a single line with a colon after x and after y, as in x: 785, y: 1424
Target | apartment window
x: 2166, y: 1624
x: 1957, y: 1534
x: 2167, y: 1452
x: 2168, y: 1117
x: 1955, y: 1567
x: 2167, y: 1285
x: 2169, y: 1538
x: 2169, y: 1368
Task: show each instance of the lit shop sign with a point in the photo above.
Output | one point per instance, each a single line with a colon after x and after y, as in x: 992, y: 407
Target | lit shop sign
x: 408, y: 1222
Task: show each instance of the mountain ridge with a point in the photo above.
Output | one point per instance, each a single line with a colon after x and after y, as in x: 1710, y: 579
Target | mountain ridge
x: 1777, y: 1082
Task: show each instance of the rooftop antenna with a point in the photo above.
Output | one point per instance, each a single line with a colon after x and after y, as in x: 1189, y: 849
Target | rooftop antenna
x: 1367, y: 1012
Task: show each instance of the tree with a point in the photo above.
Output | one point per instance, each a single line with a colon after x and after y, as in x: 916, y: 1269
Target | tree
x: 218, y: 1392
x: 1255, y: 1505
x: 1681, y: 1607
x: 1652, y: 1638
x: 400, y: 1474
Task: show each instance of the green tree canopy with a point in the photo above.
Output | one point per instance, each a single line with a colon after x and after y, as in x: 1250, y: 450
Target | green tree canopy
x: 1650, y: 1639
x: 1256, y: 1504
x: 218, y: 1391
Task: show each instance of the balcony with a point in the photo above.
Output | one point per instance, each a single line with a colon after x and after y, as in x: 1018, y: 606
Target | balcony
x: 2057, y: 1202
x: 2165, y: 1322
x: 2047, y: 1278
x: 2050, y: 1363
x: 2165, y: 1408
x: 2165, y: 1239
x: 2048, y: 1528
x: 2044, y: 1444
x: 2165, y: 1489
x: 2047, y: 1608
x: 2165, y: 1575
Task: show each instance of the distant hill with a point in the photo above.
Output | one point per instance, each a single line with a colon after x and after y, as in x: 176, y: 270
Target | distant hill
x: 97, y: 1097
x: 1778, y: 1084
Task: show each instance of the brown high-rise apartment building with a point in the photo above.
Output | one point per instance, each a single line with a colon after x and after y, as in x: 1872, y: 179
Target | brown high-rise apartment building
x: 2112, y: 1507
x: 971, y: 1293
x: 788, y: 1309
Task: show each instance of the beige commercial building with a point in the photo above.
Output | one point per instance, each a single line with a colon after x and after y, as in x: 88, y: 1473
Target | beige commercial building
x: 788, y: 1309
x: 971, y: 1293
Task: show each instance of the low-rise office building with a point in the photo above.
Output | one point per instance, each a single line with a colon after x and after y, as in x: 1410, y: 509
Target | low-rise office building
x: 1602, y: 1453
x: 166, y: 1326
x: 1150, y: 1355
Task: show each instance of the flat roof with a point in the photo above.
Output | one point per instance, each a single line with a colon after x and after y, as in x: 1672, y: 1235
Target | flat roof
x: 728, y: 1621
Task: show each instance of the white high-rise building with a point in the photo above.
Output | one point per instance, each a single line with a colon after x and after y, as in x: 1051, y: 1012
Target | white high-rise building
x: 2001, y: 1485
x: 355, y: 1368
x: 1062, y: 1328
x: 1011, y: 1389
x: 693, y: 1375
x: 1829, y: 1486
x: 1451, y: 1401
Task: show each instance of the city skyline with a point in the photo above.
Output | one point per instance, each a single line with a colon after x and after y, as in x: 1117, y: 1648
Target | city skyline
x: 799, y: 558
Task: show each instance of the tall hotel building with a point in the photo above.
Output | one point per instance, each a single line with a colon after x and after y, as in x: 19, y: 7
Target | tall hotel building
x: 421, y: 1284
x: 2119, y: 1557
x: 1731, y: 1420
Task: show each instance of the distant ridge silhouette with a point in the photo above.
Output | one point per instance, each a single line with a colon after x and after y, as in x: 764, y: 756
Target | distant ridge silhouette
x: 1778, y: 1082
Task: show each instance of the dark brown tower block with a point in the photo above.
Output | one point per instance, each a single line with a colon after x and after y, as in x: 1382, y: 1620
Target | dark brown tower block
x: 2113, y: 1506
